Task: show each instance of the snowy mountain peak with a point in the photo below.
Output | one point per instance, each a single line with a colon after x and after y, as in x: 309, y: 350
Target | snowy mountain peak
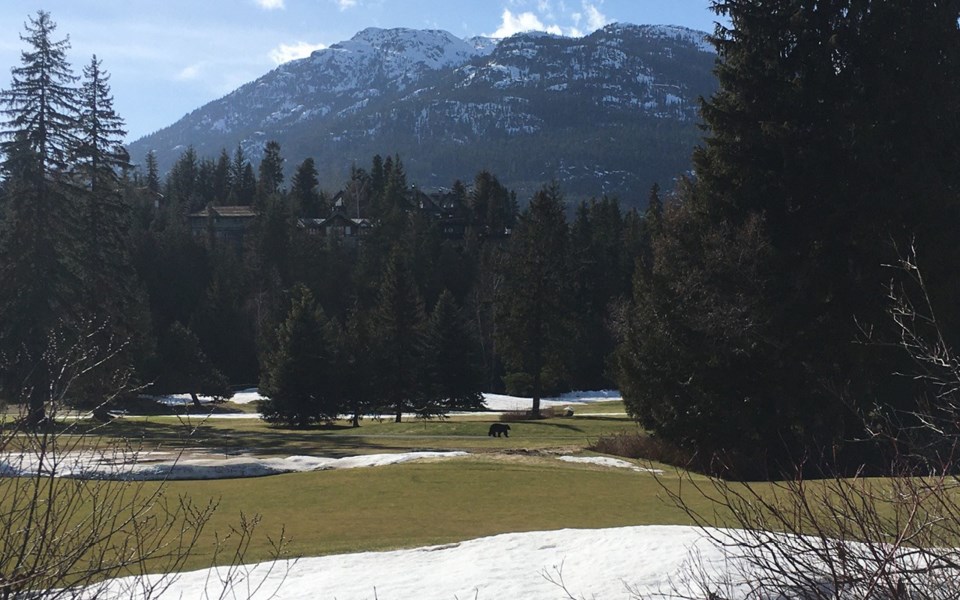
x: 583, y: 111
x: 664, y: 32
x: 433, y: 48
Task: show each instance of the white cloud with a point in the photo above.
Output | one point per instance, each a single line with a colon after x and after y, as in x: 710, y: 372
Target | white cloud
x: 270, y: 4
x: 511, y: 24
x: 190, y: 73
x: 287, y: 52
x: 345, y: 4
x: 590, y: 18
x: 595, y: 18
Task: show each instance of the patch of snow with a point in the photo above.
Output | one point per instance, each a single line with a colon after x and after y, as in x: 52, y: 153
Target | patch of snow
x: 504, y: 402
x: 624, y: 562
x: 247, y: 396
x: 606, y: 461
x: 152, y: 466
x: 178, y: 399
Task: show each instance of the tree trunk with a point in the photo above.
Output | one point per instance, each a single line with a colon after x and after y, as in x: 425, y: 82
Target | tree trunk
x: 537, y: 391
x: 196, y: 400
x: 36, y: 402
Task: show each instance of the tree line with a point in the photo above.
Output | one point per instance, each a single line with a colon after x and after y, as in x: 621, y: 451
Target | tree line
x: 411, y: 319
x: 759, y: 329
x: 744, y: 315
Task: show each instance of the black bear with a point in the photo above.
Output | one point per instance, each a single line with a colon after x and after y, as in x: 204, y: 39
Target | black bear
x: 497, y: 428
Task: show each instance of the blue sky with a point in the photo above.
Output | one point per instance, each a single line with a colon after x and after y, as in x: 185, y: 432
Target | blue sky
x: 168, y: 57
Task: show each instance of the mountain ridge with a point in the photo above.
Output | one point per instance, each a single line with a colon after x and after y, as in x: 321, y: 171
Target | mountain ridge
x: 531, y: 108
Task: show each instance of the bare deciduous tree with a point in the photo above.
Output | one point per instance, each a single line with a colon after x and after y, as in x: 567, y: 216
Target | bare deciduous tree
x: 856, y: 536
x: 67, y: 530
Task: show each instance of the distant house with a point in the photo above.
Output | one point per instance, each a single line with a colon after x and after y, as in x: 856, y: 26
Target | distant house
x: 450, y: 214
x: 227, y: 223
x: 337, y: 227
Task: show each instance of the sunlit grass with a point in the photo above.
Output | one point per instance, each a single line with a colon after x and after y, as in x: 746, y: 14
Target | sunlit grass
x: 252, y: 436
x: 410, y: 505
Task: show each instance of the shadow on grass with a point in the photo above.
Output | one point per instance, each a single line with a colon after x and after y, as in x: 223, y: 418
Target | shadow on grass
x: 549, y: 424
x: 224, y: 439
x: 611, y: 418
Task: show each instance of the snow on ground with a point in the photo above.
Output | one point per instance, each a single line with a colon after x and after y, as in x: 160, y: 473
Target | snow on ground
x: 606, y: 461
x: 155, y: 465
x: 246, y: 396
x: 148, y: 466
x: 241, y: 397
x: 503, y: 402
x: 597, y: 563
x: 494, y: 402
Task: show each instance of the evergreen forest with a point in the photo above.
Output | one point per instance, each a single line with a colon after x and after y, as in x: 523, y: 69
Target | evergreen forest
x: 745, y: 315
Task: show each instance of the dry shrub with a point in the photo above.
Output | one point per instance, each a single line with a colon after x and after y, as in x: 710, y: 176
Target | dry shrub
x: 65, y: 533
x: 856, y: 537
x: 512, y: 416
x: 639, y: 445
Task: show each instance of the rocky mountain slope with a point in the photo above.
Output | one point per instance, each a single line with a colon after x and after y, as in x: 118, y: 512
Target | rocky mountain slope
x: 609, y: 113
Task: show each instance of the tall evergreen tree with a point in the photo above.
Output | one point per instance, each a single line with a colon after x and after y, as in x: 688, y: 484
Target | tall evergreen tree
x: 399, y: 321
x: 303, y: 190
x: 532, y: 315
x: 153, y: 173
x: 243, y: 182
x: 355, y: 374
x: 99, y: 156
x: 221, y: 178
x: 183, y: 185
x: 597, y: 283
x: 112, y: 295
x: 297, y: 372
x: 494, y: 207
x: 39, y: 237
x: 271, y: 170
x: 186, y: 367
x: 452, y: 360
x: 815, y: 113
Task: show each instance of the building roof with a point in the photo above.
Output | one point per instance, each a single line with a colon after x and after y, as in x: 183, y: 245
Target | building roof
x: 226, y: 212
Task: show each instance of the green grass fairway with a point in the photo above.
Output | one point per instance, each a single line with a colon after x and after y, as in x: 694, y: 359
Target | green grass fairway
x: 505, y: 485
x: 417, y: 504
x: 257, y: 437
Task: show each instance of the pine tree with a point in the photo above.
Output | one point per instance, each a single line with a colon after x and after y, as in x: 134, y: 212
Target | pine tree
x: 303, y: 190
x: 452, y: 360
x: 153, y: 173
x: 399, y: 320
x: 271, y: 170
x: 395, y: 188
x: 183, y: 185
x: 221, y: 179
x: 99, y: 160
x: 532, y: 315
x: 243, y: 182
x: 186, y: 367
x: 354, y: 378
x: 112, y: 296
x: 820, y: 159
x: 297, y: 372
x: 378, y: 178
x: 39, y: 237
x: 596, y: 285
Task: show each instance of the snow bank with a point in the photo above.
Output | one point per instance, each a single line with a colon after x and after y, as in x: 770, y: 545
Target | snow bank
x: 599, y: 563
x: 150, y: 466
x: 504, y: 402
x: 247, y: 396
x: 496, y: 402
x: 606, y: 461
x: 241, y: 397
